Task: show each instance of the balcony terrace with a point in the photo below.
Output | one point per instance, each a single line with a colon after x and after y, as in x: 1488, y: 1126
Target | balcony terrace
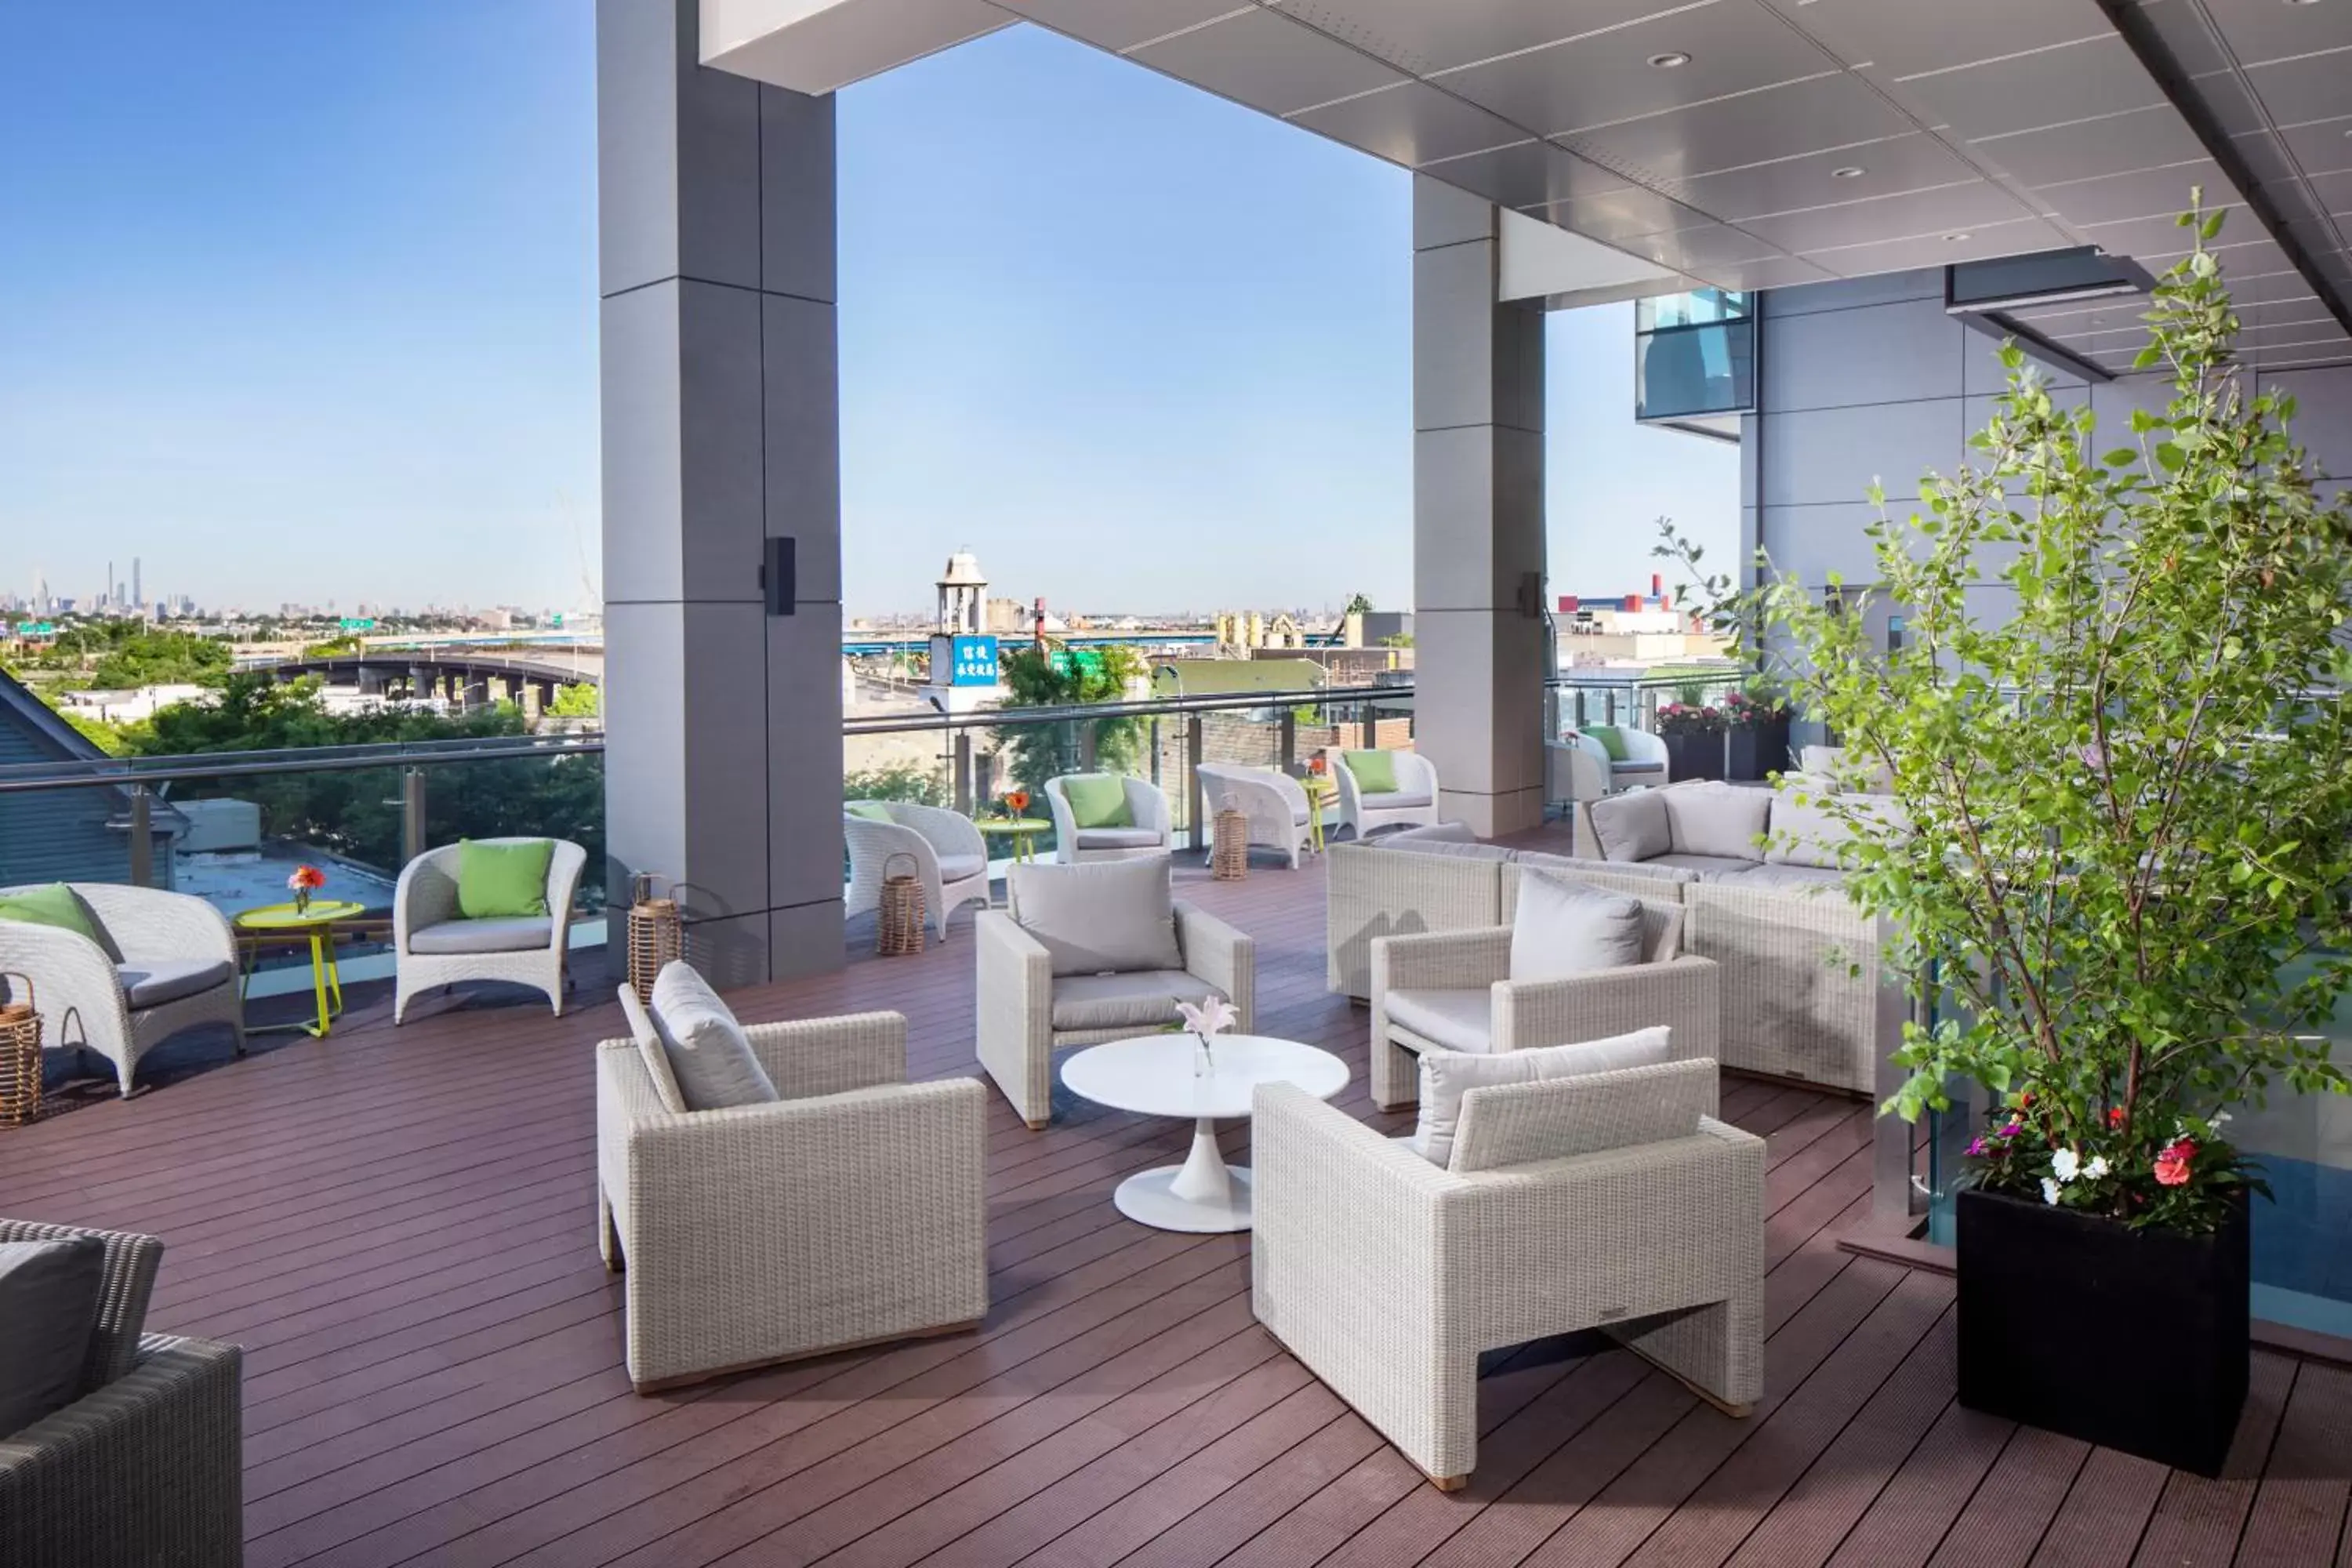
x: 398, y: 1226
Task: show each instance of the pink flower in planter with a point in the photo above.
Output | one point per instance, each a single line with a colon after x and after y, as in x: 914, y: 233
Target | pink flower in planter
x: 2172, y: 1163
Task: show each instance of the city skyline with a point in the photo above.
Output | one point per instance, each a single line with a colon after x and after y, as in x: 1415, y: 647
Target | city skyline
x: 302, y: 384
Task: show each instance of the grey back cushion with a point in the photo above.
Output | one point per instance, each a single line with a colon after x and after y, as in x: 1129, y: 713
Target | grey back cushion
x: 48, y: 1308
x: 1447, y: 1076
x: 1099, y: 917
x: 1632, y: 825
x: 707, y: 1052
x: 1718, y: 820
x: 1564, y: 927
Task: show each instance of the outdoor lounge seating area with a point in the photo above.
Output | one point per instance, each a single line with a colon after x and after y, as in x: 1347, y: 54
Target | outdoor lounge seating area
x: 399, y: 1230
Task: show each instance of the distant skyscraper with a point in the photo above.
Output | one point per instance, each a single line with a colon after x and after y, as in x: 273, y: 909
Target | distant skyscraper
x: 136, y: 596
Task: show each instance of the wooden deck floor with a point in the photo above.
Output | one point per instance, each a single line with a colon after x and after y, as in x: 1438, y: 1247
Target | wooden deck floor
x: 399, y: 1227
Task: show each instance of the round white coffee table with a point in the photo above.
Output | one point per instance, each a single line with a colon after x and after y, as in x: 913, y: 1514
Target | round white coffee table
x: 1162, y: 1075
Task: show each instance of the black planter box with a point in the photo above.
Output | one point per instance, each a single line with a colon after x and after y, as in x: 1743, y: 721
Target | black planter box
x: 1758, y: 753
x: 2135, y: 1340
x: 1694, y: 756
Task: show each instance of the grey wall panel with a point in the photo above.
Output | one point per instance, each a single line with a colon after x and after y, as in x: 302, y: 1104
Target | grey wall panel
x: 1812, y: 456
x: 1879, y: 354
x: 1848, y: 294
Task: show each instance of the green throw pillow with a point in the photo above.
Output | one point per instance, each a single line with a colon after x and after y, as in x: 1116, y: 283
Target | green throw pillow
x: 871, y: 810
x: 1375, y: 772
x: 503, y: 881
x: 53, y: 905
x: 1611, y: 742
x: 1098, y: 800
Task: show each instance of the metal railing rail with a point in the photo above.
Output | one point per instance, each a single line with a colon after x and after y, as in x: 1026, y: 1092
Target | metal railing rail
x: 125, y: 772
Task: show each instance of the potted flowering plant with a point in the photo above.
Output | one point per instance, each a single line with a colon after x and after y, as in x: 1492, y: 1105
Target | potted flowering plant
x: 2115, y: 860
x: 1694, y: 733
x: 1756, y: 733
x: 302, y: 881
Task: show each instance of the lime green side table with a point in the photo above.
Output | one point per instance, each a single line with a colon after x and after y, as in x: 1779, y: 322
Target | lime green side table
x: 317, y: 922
x: 1023, y: 831
x: 1321, y: 789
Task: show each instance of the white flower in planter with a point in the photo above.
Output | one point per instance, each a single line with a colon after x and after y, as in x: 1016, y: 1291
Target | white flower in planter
x: 2065, y: 1164
x: 2098, y: 1168
x: 2049, y: 1191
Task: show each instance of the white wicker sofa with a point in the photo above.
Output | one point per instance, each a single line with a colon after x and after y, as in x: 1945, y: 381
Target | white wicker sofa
x: 1452, y: 991
x: 1150, y: 830
x: 434, y: 944
x: 1275, y: 804
x: 1803, y: 992
x: 1614, y: 1200
x: 162, y: 962
x: 1089, y: 953
x: 943, y: 851
x: 851, y: 1210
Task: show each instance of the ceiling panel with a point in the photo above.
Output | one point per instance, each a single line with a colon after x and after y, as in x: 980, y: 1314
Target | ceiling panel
x: 2181, y: 25
x: 2311, y: 88
x: 1734, y: 45
x: 2114, y: 145
x: 1780, y: 272
x: 1622, y: 214
x: 1706, y: 248
x: 2320, y: 145
x: 2155, y: 234
x: 2264, y: 157
x: 2016, y: 238
x: 2071, y: 83
x: 2152, y: 193
x: 1527, y: 176
x: 1427, y: 38
x: 2259, y: 30
x: 1410, y: 124
x: 1120, y: 24
x: 1901, y: 37
x: 1267, y: 61
x: 2335, y: 191
x: 1906, y: 216
x: 1917, y: 162
x: 1798, y: 117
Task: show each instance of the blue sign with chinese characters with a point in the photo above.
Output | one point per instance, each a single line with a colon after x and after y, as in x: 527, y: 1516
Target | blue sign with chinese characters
x: 974, y: 662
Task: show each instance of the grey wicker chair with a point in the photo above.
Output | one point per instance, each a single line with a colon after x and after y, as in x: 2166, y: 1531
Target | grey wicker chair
x: 166, y: 963
x: 1613, y: 1201
x: 148, y: 1466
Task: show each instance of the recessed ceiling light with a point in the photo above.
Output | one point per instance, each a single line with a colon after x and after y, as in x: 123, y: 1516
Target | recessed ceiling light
x: 2303, y: 2
x: 1955, y: 239
x: 1851, y: 172
x: 1669, y: 61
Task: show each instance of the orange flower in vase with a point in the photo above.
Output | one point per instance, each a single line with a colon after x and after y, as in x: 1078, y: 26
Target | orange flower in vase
x: 1016, y: 801
x: 304, y: 881
x: 1318, y: 764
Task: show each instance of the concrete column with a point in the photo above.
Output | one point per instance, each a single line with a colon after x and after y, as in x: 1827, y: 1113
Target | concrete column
x: 513, y: 685
x: 1480, y: 653
x: 720, y: 431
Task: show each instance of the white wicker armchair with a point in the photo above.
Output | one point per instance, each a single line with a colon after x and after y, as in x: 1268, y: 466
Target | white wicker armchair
x: 1645, y: 759
x: 1412, y: 803
x: 434, y: 945
x: 1613, y: 1201
x: 1017, y: 1032
x: 1572, y: 772
x: 1153, y: 830
x: 853, y: 1210
x: 1275, y: 802
x: 1452, y: 991
x: 949, y: 858
x: 164, y: 963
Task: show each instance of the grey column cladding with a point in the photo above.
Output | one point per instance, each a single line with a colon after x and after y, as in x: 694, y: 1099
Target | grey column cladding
x: 1481, y: 649
x: 721, y: 429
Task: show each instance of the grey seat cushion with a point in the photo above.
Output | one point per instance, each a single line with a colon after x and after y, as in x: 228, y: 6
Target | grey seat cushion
x: 152, y: 982
x: 1788, y: 877
x: 709, y: 1054
x: 1459, y: 1020
x: 504, y: 933
x: 957, y: 867
x: 1143, y: 1000
x: 48, y: 1300
x: 1710, y: 867
x: 1100, y: 916
x: 1118, y: 837
x: 1616, y: 767
x: 1397, y: 800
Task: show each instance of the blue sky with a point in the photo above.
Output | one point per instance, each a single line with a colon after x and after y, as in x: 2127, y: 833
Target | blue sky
x: 300, y: 304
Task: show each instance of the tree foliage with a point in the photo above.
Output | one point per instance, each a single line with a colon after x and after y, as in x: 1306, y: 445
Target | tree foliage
x: 2121, y: 780
x: 121, y: 655
x: 1057, y: 677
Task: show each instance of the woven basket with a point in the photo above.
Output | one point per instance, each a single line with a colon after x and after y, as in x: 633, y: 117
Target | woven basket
x: 20, y: 1054
x: 900, y: 931
x: 1229, y: 845
x: 656, y: 935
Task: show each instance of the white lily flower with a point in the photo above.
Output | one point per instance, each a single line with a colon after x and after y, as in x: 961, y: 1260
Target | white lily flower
x: 2067, y: 1165
x: 2098, y: 1168
x: 2049, y: 1191
x: 1207, y: 1017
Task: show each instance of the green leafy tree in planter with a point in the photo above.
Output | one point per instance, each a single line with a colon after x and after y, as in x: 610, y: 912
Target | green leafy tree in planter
x: 1058, y: 678
x: 2120, y: 829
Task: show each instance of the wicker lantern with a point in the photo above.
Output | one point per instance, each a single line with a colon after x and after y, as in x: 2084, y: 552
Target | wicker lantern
x: 656, y: 935
x: 20, y: 1054
x: 900, y: 931
x: 1229, y: 844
